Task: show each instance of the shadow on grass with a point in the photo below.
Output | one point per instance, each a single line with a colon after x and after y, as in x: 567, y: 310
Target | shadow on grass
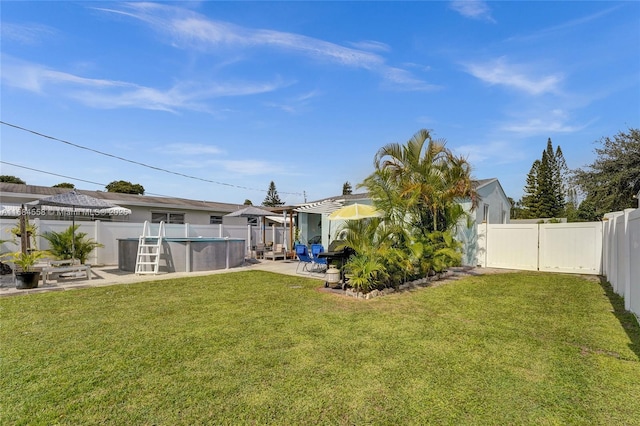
x: 627, y: 319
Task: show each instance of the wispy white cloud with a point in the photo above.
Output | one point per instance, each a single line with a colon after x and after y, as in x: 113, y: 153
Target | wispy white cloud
x: 190, y: 30
x: 554, y: 121
x: 28, y: 34
x: 554, y: 30
x: 107, y: 94
x: 536, y: 126
x: 417, y: 66
x: 190, y: 149
x: 251, y: 167
x: 295, y: 104
x: 244, y: 167
x: 520, y: 77
x: 404, y: 80
x: 494, y: 152
x: 371, y: 45
x: 474, y: 9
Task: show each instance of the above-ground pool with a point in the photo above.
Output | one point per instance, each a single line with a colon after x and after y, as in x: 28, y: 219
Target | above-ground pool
x: 186, y: 254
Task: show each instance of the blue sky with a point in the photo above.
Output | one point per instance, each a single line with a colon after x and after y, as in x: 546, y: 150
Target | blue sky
x: 238, y: 94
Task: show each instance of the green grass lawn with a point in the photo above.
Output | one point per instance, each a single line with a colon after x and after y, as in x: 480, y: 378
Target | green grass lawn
x: 257, y: 348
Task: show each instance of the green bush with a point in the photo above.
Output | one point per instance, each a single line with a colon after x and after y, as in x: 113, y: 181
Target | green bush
x: 61, y: 244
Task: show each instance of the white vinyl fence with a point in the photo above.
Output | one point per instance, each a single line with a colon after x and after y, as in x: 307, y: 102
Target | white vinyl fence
x: 553, y: 247
x: 108, y: 233
x: 621, y: 259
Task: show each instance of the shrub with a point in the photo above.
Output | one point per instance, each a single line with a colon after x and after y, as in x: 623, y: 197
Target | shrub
x: 366, y: 272
x: 62, y: 244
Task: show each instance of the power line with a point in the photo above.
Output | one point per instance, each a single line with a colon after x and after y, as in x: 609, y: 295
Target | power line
x: 137, y: 162
x: 69, y: 177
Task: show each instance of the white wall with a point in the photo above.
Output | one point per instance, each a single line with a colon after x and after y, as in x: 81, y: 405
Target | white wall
x: 491, y: 195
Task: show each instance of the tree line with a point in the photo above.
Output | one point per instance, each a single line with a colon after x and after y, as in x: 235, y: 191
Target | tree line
x: 609, y: 184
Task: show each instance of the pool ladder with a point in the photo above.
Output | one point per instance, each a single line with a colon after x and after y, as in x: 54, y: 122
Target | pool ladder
x: 148, y: 258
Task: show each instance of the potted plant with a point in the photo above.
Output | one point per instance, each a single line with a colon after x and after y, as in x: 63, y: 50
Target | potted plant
x: 26, y: 258
x: 26, y: 277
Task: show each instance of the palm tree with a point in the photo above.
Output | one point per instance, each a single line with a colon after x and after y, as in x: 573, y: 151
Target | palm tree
x: 421, y: 180
x: 62, y: 244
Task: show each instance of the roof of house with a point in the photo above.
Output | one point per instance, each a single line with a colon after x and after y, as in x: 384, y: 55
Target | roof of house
x: 478, y: 183
x: 345, y: 197
x: 36, y: 192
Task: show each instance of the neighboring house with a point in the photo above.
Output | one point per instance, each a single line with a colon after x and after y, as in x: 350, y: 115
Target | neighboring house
x: 143, y: 207
x: 493, y: 204
x: 493, y: 207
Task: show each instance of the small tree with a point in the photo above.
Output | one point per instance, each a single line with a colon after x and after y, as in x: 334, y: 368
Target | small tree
x: 272, y: 199
x: 248, y: 202
x: 346, y: 188
x: 12, y: 179
x: 517, y: 211
x: 64, y: 185
x: 125, y: 187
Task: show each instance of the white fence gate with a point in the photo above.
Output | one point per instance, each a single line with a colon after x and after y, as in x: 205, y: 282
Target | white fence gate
x: 553, y: 247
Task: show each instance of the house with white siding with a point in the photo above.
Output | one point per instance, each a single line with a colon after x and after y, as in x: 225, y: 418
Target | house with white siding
x: 493, y: 206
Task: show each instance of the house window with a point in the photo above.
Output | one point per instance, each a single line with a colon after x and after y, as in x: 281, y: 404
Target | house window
x: 252, y: 221
x: 215, y: 220
x: 485, y: 212
x: 166, y: 217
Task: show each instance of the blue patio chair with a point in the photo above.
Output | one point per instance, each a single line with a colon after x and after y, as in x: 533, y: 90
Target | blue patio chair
x: 303, y: 257
x: 320, y: 263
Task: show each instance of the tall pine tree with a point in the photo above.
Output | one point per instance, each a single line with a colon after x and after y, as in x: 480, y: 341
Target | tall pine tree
x: 272, y: 199
x: 546, y: 187
x: 531, y: 197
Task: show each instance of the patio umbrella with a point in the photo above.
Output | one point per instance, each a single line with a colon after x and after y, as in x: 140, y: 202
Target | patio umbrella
x: 252, y: 211
x: 353, y: 212
x: 73, y: 202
